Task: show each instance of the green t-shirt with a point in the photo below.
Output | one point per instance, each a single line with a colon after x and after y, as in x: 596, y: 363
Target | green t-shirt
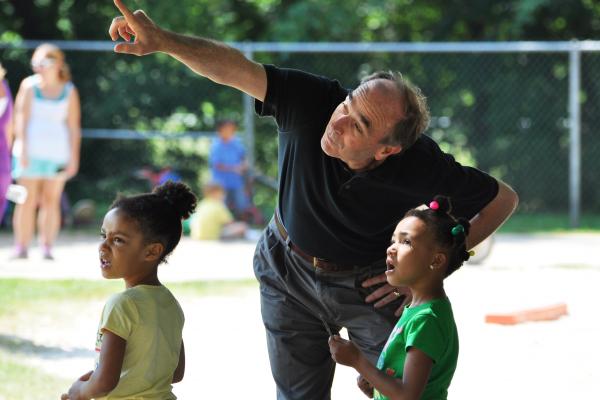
x: 429, y: 327
x: 150, y: 319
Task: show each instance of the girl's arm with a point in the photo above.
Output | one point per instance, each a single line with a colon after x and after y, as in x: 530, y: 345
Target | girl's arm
x: 106, y: 377
x: 74, y: 125
x: 180, y: 370
x: 417, y: 367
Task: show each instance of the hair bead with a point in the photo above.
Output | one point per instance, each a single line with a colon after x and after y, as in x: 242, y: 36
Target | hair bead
x: 458, y: 229
x: 434, y: 205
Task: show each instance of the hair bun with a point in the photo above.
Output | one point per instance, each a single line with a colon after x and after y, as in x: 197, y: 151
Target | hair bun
x: 444, y: 205
x: 179, y: 196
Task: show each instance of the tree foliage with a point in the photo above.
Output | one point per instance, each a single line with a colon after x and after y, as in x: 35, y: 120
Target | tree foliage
x: 475, y: 117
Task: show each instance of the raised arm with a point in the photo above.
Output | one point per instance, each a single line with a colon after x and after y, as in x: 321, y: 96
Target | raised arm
x: 209, y: 58
x: 493, y: 215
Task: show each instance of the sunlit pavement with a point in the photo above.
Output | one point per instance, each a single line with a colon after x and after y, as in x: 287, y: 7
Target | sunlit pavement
x: 225, y: 339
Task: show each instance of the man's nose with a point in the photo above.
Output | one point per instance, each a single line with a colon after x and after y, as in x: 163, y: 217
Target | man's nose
x: 341, y: 124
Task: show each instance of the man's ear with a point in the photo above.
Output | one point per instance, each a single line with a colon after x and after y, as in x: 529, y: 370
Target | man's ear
x: 387, y: 150
x: 153, y: 251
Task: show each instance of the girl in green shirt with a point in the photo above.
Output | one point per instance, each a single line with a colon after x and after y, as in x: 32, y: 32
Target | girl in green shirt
x: 419, y: 359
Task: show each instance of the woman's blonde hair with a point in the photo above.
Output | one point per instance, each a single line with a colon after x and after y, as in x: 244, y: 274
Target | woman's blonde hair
x: 57, y: 54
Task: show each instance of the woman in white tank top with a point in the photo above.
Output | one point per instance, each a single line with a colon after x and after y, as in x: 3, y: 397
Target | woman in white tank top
x: 46, y: 150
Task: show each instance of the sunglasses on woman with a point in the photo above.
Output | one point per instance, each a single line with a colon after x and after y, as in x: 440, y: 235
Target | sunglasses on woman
x: 43, y: 63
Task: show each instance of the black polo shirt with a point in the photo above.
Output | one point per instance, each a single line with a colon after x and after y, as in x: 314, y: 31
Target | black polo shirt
x: 333, y: 213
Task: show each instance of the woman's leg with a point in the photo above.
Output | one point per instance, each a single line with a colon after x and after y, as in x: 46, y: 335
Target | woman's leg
x: 49, y: 216
x: 24, y: 216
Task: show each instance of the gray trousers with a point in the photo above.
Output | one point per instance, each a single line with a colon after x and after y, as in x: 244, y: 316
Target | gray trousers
x: 293, y: 295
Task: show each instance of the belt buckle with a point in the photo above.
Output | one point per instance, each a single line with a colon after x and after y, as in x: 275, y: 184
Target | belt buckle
x: 315, y: 262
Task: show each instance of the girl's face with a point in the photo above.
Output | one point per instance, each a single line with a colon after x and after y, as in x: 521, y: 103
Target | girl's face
x: 123, y: 253
x: 411, y: 252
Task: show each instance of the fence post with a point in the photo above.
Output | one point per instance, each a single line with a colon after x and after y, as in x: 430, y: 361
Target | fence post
x: 575, y: 135
x: 249, y: 117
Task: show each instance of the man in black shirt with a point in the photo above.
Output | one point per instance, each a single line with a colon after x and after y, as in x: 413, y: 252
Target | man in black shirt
x: 350, y: 163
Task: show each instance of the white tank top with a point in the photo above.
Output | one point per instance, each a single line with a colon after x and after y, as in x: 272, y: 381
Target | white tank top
x: 47, y: 132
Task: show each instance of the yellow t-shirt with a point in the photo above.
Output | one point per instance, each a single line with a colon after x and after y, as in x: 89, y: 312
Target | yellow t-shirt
x: 208, y: 220
x: 150, y: 319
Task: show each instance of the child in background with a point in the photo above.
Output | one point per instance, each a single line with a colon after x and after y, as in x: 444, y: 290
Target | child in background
x: 139, y: 343
x: 420, y: 357
x: 212, y: 219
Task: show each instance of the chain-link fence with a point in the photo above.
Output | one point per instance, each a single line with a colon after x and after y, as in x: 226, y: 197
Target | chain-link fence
x: 508, y: 109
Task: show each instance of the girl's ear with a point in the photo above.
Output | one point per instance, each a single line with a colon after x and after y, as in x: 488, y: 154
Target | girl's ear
x: 439, y: 260
x: 153, y: 251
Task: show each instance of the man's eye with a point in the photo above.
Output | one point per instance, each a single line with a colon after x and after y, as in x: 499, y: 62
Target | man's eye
x: 357, y: 127
x: 103, y: 235
x: 118, y: 240
x: 406, y: 241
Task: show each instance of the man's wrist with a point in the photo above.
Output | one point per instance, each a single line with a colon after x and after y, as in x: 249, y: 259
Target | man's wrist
x: 164, y: 39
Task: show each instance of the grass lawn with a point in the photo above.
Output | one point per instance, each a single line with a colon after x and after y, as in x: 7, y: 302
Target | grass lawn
x: 18, y: 294
x: 537, y: 223
x: 22, y: 382
x: 28, y: 307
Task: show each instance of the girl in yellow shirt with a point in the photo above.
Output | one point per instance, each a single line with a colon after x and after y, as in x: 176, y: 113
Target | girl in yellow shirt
x: 140, y: 350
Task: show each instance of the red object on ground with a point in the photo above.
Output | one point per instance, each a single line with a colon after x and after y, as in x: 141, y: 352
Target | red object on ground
x: 547, y: 313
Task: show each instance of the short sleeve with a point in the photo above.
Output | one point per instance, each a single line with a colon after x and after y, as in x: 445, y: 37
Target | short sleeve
x: 296, y: 98
x: 424, y: 333
x: 439, y: 173
x: 469, y: 188
x: 120, y: 315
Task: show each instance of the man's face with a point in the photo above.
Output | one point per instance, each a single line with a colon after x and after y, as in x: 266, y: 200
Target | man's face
x: 358, y: 125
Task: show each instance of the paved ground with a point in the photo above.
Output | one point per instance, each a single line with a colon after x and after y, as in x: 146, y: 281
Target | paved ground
x: 225, y: 339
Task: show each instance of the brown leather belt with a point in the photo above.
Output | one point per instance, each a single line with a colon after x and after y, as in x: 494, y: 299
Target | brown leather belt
x: 314, y: 261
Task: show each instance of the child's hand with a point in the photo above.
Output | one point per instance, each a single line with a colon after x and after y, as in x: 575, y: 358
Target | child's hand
x: 343, y: 351
x: 365, y: 386
x: 75, y: 390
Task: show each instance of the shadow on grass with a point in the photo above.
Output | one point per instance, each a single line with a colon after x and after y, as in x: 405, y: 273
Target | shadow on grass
x: 16, y: 345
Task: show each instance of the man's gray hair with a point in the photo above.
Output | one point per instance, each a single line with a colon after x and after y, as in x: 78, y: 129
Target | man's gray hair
x: 416, y: 113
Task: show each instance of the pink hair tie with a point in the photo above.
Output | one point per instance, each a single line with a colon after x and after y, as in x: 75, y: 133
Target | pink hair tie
x: 434, y: 205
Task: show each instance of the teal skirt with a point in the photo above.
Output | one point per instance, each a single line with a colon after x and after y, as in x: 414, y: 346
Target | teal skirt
x: 36, y: 169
